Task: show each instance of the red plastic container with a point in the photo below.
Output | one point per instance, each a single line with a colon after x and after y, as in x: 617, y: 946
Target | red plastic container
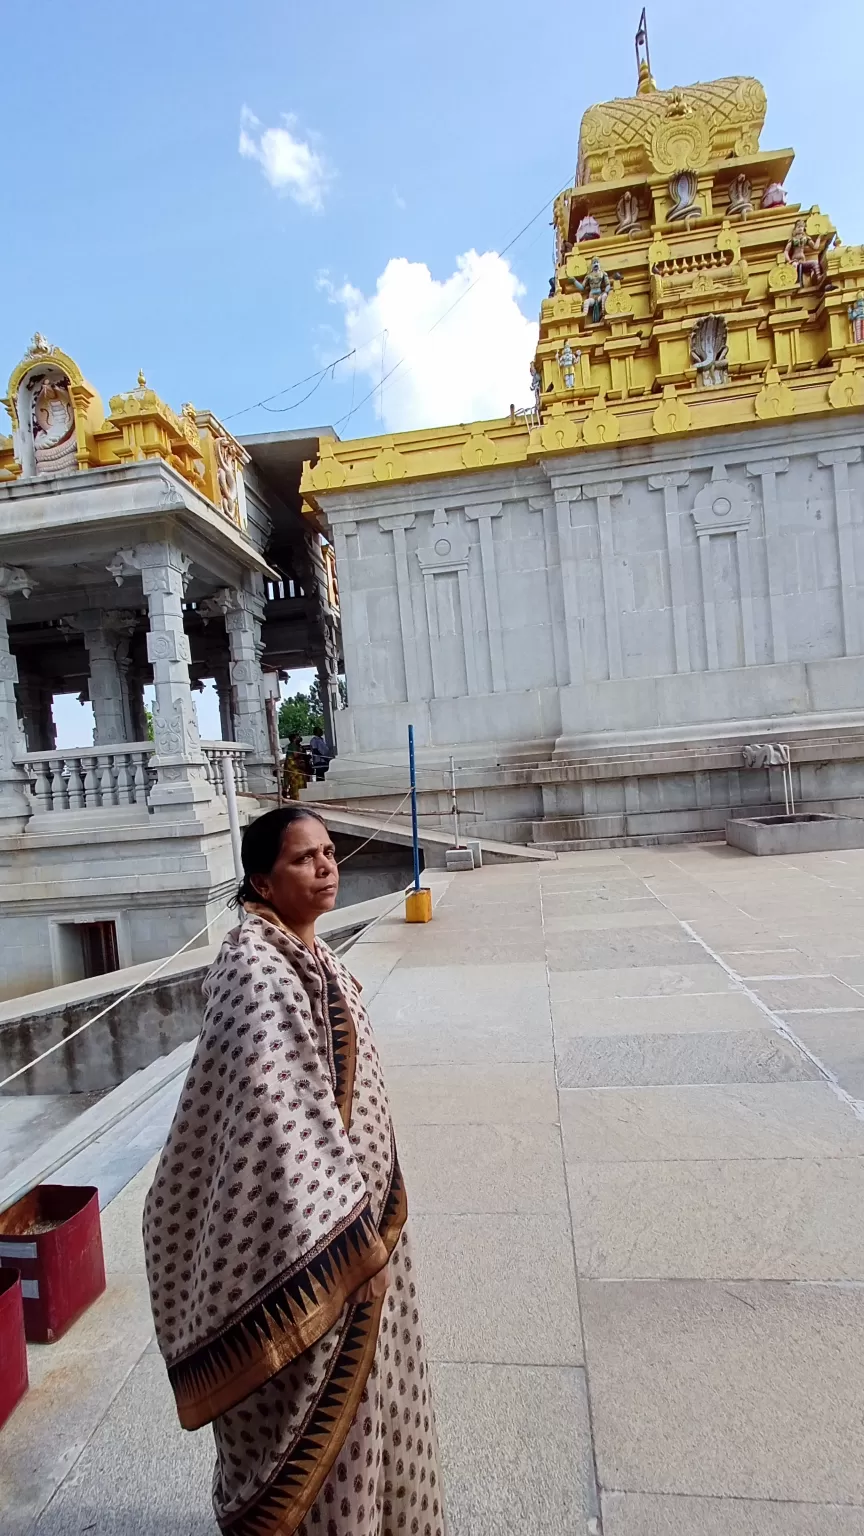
x: 13, y: 1348
x: 54, y: 1237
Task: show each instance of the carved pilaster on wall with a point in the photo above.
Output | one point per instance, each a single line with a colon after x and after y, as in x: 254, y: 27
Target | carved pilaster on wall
x: 398, y: 524
x: 722, y: 508
x: 564, y: 495
x: 483, y: 516
x: 603, y: 493
x: 768, y: 470
x: 341, y: 531
x: 448, y: 555
x: 546, y: 507
x: 838, y: 461
x: 670, y: 485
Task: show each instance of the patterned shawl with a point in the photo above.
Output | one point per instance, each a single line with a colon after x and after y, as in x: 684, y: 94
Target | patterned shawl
x: 261, y: 1221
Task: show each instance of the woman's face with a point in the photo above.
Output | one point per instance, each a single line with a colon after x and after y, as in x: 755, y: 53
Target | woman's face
x: 304, y: 879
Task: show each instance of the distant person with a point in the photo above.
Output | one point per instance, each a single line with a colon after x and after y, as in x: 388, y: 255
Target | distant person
x: 278, y: 1255
x: 296, y: 768
x: 320, y: 753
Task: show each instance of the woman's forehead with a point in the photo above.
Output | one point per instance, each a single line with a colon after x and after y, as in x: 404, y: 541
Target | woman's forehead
x: 306, y: 832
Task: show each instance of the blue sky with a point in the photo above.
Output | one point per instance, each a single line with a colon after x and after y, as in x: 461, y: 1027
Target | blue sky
x: 137, y: 235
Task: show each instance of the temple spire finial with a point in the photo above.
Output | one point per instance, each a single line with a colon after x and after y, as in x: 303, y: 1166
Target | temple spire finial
x: 645, y: 81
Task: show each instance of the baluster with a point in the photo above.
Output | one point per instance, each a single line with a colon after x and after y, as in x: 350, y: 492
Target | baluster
x: 59, y: 795
x: 29, y: 770
x: 107, y: 794
x: 91, y: 782
x: 42, y: 791
x: 242, y: 773
x: 124, y: 781
x: 216, y: 779
x: 139, y: 760
x: 74, y: 783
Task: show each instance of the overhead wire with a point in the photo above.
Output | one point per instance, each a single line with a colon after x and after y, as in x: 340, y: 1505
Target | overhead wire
x: 330, y: 367
x: 343, y: 420
x: 319, y: 374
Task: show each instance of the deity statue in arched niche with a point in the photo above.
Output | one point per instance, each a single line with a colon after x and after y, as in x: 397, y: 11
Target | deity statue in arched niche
x: 53, y: 424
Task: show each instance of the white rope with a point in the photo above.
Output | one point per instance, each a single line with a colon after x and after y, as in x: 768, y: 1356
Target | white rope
x: 162, y: 964
x: 372, y: 836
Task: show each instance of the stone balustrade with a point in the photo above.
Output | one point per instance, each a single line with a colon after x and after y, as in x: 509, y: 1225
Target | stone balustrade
x: 88, y: 778
x: 215, y: 753
x: 98, y: 778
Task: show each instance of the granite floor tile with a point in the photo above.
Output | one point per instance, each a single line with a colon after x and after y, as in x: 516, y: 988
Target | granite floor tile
x: 575, y: 922
x: 729, y: 1056
x: 745, y: 1120
x: 648, y: 1514
x: 72, y: 1385
x: 482, y: 1169
x: 121, y: 1224
x: 515, y: 1449
x: 645, y: 981
x: 837, y: 1040
x: 786, y: 1219
x: 740, y: 1391
x: 141, y: 1474
x: 624, y: 948
x: 476, y: 1094
x: 673, y: 1013
x: 805, y: 993
x: 499, y: 1288
x: 482, y: 946
x: 464, y: 1013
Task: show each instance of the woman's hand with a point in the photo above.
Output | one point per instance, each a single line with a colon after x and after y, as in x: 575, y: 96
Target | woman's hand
x: 372, y: 1289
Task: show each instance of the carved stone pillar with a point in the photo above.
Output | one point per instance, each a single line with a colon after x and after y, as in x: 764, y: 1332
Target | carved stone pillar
x: 222, y: 683
x: 179, y: 763
x: 35, y: 697
x: 106, y: 638
x: 137, y: 707
x: 326, y: 704
x: 243, y: 627
x: 15, y: 805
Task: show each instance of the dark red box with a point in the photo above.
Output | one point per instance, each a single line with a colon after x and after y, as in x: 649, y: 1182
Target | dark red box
x: 13, y: 1348
x: 54, y: 1237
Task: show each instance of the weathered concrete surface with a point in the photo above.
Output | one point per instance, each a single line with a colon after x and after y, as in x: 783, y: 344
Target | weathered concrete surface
x: 643, y: 1299
x: 801, y: 833
x: 160, y: 1016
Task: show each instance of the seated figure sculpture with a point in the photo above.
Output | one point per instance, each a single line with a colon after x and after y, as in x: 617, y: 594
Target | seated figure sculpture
x: 596, y: 287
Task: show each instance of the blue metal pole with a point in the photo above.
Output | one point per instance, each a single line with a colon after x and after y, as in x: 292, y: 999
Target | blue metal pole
x: 414, y: 807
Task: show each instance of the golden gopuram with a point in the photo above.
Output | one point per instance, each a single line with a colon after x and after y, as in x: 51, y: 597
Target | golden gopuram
x: 688, y: 296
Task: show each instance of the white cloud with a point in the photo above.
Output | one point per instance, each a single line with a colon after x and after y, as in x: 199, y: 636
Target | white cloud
x: 289, y: 163
x: 471, y: 365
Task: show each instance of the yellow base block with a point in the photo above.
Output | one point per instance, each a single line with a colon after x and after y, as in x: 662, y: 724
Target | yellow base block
x: 418, y: 907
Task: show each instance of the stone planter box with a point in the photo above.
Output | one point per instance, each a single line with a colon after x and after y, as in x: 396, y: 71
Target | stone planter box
x: 801, y: 833
x: 13, y: 1347
x: 53, y: 1236
x: 459, y: 858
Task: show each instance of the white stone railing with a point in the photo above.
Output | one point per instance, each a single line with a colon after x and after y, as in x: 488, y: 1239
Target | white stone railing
x: 89, y: 778
x: 95, y: 778
x: 215, y: 753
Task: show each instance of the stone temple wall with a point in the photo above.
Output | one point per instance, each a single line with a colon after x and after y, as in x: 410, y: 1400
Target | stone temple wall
x: 614, y: 600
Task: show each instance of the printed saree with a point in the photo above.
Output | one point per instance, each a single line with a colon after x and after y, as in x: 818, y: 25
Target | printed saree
x: 277, y: 1196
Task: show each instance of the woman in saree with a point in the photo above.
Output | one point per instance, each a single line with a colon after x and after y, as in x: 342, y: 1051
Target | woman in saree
x: 278, y: 1258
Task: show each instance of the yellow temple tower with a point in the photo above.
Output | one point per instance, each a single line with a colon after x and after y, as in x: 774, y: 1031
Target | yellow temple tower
x: 688, y: 296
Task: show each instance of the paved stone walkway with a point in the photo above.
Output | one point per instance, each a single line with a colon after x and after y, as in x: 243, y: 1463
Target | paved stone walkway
x: 638, y: 1205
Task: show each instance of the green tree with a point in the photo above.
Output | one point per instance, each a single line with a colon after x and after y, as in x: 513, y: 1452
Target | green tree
x: 148, y: 715
x: 298, y: 716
